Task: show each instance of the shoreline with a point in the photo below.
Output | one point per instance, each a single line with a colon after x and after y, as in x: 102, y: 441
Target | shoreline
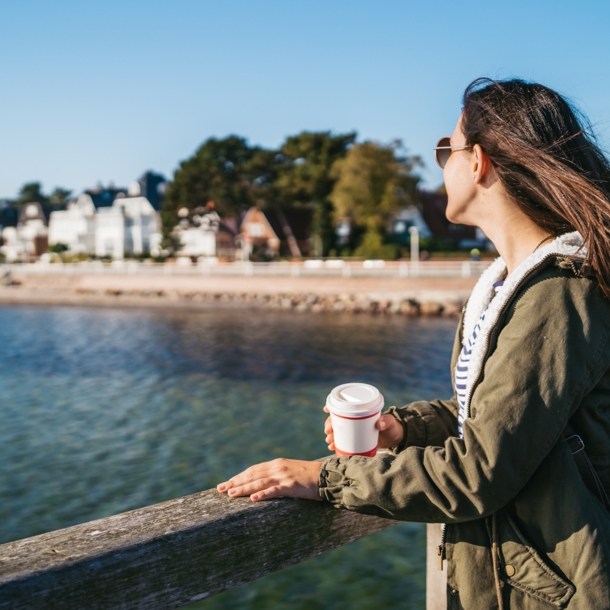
x: 396, y: 296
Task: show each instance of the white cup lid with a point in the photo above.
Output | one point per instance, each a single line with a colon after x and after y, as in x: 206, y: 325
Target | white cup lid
x: 355, y: 398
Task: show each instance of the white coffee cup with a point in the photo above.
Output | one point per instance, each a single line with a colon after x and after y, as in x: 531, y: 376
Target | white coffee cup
x: 354, y: 410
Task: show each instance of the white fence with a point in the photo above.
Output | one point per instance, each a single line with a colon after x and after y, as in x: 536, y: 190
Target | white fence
x: 308, y: 268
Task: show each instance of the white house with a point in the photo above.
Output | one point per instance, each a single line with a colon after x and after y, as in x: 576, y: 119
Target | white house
x: 130, y: 226
x: 75, y: 226
x: 29, y: 237
x: 198, y: 236
x: 197, y: 242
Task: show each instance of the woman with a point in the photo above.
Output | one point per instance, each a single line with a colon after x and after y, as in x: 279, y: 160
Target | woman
x: 500, y: 462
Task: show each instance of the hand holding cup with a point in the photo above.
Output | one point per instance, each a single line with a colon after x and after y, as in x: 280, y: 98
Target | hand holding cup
x: 391, y: 432
x: 356, y: 425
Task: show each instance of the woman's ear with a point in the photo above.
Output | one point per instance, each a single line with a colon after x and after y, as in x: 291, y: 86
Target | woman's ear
x: 481, y: 164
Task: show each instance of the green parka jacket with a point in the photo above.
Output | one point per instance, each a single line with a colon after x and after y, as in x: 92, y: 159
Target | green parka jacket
x: 511, y: 482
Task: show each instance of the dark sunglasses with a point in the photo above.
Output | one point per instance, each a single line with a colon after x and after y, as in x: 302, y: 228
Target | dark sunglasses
x: 443, y: 150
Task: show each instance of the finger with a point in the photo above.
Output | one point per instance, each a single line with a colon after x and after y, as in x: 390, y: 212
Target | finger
x: 382, y: 423
x: 329, y: 439
x: 267, y: 494
x: 224, y: 487
x: 328, y: 426
x: 238, y: 479
x: 257, y: 471
x: 331, y: 446
x: 251, y: 488
x: 325, y: 409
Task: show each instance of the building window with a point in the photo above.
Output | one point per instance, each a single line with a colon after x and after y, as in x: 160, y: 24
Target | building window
x: 256, y: 229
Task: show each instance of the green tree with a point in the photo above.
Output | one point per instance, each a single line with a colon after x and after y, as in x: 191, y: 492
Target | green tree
x: 373, y: 182
x: 59, y: 197
x: 31, y: 192
x: 227, y: 171
x: 304, y: 176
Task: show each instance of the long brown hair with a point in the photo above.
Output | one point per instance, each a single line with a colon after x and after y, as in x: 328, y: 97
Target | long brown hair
x: 546, y: 155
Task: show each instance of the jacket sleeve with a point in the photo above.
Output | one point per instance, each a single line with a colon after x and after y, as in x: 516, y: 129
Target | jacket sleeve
x: 552, y: 350
x: 426, y: 423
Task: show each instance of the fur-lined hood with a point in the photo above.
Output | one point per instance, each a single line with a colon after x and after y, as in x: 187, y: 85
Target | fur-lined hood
x: 480, y: 301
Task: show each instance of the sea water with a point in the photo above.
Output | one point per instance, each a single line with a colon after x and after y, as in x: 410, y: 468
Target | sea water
x: 107, y: 410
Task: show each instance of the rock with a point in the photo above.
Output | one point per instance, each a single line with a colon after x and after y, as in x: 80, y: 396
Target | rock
x: 431, y: 308
x: 394, y: 307
x: 452, y: 309
x: 410, y: 308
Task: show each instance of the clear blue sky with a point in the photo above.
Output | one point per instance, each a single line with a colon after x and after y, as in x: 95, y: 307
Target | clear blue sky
x: 101, y: 91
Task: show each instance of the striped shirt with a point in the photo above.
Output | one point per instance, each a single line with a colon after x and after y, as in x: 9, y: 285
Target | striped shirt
x: 461, y: 370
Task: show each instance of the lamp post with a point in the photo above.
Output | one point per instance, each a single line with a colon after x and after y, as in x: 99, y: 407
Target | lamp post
x: 414, y: 250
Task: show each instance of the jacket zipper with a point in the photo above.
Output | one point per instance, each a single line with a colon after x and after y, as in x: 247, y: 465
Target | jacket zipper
x: 441, y: 549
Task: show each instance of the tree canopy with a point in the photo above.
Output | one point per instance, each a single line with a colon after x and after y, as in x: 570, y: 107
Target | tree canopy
x: 305, y: 177
x: 329, y: 173
x: 32, y: 192
x: 227, y: 171
x: 59, y: 196
x: 373, y: 181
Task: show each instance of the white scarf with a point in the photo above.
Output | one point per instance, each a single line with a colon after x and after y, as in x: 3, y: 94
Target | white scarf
x: 568, y: 244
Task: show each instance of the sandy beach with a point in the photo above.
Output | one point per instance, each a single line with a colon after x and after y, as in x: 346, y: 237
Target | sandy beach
x: 412, y: 296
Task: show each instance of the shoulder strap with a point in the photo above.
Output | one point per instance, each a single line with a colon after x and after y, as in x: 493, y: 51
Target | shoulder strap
x: 585, y: 467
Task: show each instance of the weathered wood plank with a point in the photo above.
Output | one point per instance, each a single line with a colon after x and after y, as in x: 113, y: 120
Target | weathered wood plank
x: 171, y: 554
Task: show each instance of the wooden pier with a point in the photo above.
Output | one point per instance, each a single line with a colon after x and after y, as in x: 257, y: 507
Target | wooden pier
x: 175, y: 553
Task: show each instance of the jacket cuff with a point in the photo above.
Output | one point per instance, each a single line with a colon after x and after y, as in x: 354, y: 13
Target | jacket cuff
x: 414, y: 428
x: 333, y: 480
x: 396, y: 413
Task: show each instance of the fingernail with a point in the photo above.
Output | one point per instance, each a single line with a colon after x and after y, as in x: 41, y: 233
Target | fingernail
x: 382, y: 425
x: 232, y: 491
x: 222, y: 487
x: 254, y: 497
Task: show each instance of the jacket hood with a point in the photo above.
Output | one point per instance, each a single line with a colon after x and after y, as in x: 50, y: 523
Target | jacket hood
x: 568, y: 244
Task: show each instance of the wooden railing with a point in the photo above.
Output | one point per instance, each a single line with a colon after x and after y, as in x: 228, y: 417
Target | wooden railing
x: 172, y: 554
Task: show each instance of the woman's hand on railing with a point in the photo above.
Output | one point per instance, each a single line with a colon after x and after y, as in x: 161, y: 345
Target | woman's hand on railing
x: 276, y: 479
x: 391, y: 432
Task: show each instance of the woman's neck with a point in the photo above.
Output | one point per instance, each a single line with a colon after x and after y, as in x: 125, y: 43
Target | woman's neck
x: 515, y: 238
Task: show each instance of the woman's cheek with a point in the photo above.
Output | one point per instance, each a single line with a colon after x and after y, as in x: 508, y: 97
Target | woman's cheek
x: 459, y: 193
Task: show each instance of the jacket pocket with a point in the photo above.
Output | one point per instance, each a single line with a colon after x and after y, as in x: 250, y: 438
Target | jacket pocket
x: 523, y: 568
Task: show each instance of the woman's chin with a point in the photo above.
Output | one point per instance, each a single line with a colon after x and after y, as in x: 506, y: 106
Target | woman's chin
x: 453, y: 216
x: 458, y: 215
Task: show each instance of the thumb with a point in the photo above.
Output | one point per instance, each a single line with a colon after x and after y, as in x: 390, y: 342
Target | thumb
x: 382, y: 423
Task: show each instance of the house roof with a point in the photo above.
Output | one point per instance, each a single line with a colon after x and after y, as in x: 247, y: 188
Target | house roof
x: 104, y: 197
x: 31, y: 211
x: 8, y: 214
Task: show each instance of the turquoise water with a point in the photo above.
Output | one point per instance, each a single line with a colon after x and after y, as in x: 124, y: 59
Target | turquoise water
x: 106, y: 410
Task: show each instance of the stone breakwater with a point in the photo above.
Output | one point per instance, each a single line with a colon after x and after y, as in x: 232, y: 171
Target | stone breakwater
x: 377, y: 296
x: 342, y: 303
